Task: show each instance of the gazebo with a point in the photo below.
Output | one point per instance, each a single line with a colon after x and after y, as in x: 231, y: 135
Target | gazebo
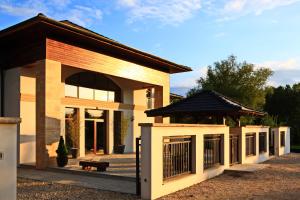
x: 206, y: 103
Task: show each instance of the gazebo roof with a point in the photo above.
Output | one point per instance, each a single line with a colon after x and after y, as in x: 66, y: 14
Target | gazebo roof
x: 206, y: 102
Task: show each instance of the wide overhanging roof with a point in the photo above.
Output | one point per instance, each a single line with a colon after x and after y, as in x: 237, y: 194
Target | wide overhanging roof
x: 67, y: 30
x: 206, y: 102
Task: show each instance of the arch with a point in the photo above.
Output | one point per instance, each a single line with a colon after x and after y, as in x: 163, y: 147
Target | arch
x: 95, y: 81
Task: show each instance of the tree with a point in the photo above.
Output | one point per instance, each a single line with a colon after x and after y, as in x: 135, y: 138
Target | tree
x: 284, y: 104
x: 62, y: 153
x: 242, y: 82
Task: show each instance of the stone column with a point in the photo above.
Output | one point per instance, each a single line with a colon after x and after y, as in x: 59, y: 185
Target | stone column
x: 110, y: 132
x: 81, y: 133
x: 48, y: 111
x: 158, y: 101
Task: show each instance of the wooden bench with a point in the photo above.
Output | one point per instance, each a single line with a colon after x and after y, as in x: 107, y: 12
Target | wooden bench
x: 87, y: 165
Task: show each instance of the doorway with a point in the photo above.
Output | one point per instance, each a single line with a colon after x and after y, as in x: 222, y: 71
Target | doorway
x: 95, y: 131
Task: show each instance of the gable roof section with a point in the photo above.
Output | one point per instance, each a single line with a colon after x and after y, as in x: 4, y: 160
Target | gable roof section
x: 69, y: 30
x: 206, y: 102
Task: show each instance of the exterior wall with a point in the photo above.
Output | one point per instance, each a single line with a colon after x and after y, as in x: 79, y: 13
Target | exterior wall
x: 8, y: 160
x: 258, y: 157
x: 12, y: 93
x: 42, y: 105
x: 27, y: 144
x: 12, y: 96
x: 279, y: 150
x: 152, y: 184
x: 48, y: 111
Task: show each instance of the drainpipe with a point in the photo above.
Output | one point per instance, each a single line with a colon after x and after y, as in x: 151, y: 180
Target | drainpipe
x: 2, y: 91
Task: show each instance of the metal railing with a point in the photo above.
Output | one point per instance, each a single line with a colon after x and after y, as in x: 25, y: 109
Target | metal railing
x: 176, y: 156
x: 262, y: 142
x: 212, y: 151
x: 250, y: 144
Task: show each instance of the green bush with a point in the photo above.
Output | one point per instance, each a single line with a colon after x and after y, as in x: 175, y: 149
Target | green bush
x: 62, y: 153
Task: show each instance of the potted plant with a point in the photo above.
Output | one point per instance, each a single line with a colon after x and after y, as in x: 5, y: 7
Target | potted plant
x: 62, y: 153
x: 119, y: 148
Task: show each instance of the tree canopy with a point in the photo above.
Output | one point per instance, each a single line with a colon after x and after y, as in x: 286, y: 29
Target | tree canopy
x: 284, y: 104
x: 240, y: 81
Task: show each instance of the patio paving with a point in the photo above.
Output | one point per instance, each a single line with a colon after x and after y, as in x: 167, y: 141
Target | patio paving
x: 108, y: 184
x: 120, y: 165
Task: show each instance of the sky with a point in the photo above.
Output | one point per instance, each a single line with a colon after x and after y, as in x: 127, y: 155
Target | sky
x: 195, y: 33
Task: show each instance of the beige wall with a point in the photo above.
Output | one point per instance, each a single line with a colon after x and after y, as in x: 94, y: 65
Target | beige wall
x: 21, y: 94
x: 279, y: 150
x: 259, y: 157
x: 152, y: 184
x: 8, y: 163
x: 27, y: 144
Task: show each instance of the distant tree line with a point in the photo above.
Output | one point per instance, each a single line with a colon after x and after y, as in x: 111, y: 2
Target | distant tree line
x: 247, y: 84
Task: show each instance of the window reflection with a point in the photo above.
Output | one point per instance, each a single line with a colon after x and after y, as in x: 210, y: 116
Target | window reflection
x: 88, y: 93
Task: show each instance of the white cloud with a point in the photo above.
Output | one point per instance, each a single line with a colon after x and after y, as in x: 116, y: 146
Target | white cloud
x: 189, y: 80
x: 57, y: 9
x: 285, y: 71
x: 276, y: 65
x: 171, y: 12
x: 236, y: 8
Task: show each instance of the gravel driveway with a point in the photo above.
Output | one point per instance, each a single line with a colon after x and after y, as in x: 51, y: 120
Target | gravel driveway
x: 281, y: 180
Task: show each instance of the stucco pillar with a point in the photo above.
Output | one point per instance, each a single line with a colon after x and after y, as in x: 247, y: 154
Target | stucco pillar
x: 158, y: 101
x: 48, y: 111
x: 110, y: 132
x: 8, y: 157
x: 81, y: 133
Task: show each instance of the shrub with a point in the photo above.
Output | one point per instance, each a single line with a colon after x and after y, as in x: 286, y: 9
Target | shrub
x: 62, y: 153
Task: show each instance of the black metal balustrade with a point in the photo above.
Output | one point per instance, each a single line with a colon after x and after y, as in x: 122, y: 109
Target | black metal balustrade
x: 262, y: 142
x: 212, y: 151
x: 176, y: 156
x: 250, y: 144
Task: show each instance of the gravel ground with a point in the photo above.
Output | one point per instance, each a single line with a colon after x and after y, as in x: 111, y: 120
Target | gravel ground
x: 29, y: 189
x: 281, y: 180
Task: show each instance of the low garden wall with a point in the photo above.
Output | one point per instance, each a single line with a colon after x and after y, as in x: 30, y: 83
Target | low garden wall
x: 282, y: 140
x: 176, y: 156
x: 8, y: 157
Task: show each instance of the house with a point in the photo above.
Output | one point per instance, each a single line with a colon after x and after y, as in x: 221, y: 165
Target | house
x: 58, y: 76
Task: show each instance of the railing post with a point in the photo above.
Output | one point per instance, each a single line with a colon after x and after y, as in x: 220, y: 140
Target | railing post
x: 137, y: 164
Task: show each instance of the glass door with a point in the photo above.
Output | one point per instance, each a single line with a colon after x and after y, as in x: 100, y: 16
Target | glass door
x: 95, y: 131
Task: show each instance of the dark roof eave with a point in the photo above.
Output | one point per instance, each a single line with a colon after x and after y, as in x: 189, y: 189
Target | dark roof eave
x: 163, y: 113
x: 43, y: 18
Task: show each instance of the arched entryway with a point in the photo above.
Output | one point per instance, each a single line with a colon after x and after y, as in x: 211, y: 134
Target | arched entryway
x: 92, y: 86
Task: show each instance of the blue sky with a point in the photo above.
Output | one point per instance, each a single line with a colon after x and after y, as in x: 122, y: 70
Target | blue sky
x: 195, y: 33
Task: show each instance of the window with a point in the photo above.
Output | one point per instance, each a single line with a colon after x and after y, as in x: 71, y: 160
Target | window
x: 150, y: 98
x: 282, y: 138
x: 89, y: 93
x: 94, y: 86
x: 250, y: 144
x: 212, y: 150
x: 86, y: 93
x: 262, y: 142
x: 71, y: 91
